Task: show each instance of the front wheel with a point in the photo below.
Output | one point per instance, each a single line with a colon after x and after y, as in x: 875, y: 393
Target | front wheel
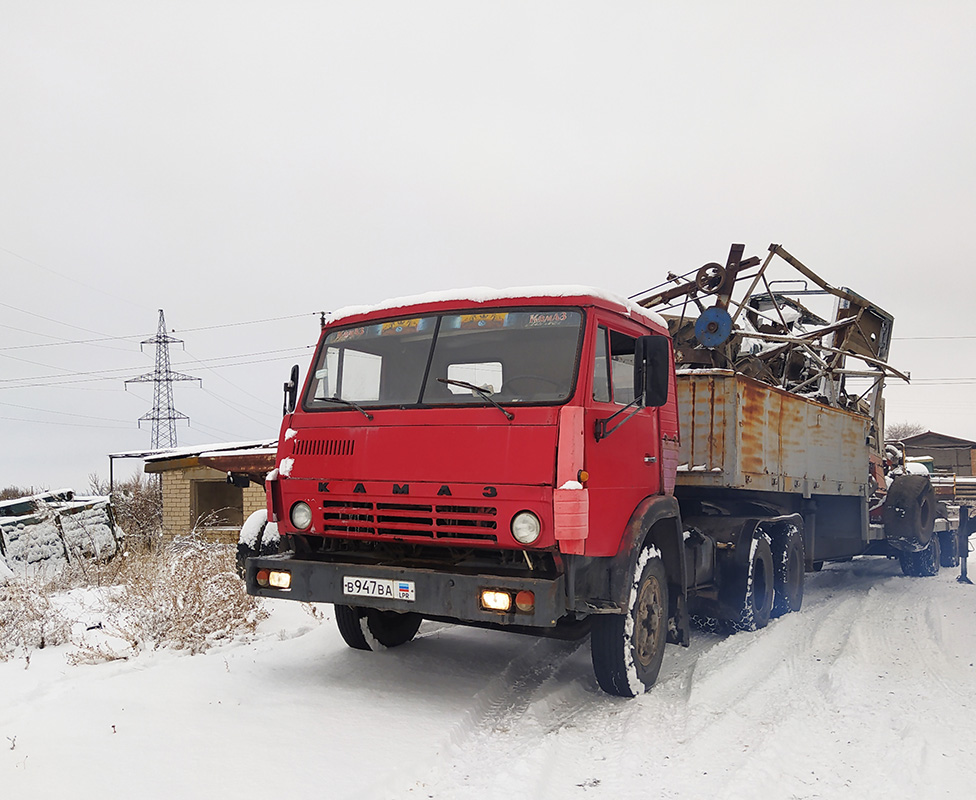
x: 627, y: 649
x: 372, y: 629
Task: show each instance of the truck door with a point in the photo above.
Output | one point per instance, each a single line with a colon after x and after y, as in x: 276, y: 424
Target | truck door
x: 624, y: 467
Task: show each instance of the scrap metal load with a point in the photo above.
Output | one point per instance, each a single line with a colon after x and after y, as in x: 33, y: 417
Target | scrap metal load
x: 740, y: 317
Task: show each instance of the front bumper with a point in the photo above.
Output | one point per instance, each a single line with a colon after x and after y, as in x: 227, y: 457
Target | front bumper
x: 439, y: 593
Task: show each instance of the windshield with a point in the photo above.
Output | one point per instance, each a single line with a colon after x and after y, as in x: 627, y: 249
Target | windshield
x: 511, y: 356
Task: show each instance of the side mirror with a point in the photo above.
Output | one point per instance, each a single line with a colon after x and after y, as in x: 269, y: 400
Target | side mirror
x: 291, y: 392
x: 652, y: 368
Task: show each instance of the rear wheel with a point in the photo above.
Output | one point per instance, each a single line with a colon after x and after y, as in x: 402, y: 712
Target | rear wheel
x: 910, y: 511
x: 949, y: 549
x: 753, y: 587
x: 924, y: 563
x: 627, y: 649
x: 372, y: 629
x: 787, y: 549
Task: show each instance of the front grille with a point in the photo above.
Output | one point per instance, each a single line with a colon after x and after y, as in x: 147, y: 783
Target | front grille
x: 400, y: 520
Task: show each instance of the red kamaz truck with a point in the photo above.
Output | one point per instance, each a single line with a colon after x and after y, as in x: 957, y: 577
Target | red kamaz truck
x: 563, y: 462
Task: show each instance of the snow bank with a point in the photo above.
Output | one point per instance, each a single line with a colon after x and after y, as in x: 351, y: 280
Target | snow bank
x: 864, y: 693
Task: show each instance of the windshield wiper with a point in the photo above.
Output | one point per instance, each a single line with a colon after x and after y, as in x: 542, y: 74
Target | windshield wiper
x: 349, y: 403
x: 480, y: 390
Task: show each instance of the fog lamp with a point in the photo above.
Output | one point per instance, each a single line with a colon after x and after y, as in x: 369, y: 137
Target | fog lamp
x: 525, y: 601
x: 279, y: 580
x: 495, y: 600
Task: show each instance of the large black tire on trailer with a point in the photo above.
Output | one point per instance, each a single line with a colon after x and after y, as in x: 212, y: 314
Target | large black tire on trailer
x: 788, y: 571
x: 949, y: 549
x: 924, y: 563
x: 752, y: 582
x: 372, y: 629
x: 909, y: 512
x: 627, y: 649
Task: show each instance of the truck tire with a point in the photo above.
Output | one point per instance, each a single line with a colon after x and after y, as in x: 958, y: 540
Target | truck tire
x: 788, y: 570
x: 627, y: 649
x: 924, y: 563
x: 372, y: 629
x: 948, y: 549
x: 909, y: 511
x: 753, y: 587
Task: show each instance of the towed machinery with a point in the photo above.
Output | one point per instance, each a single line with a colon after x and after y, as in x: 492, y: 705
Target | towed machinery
x: 563, y: 462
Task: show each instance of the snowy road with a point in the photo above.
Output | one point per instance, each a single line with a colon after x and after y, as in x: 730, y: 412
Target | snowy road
x: 867, y: 692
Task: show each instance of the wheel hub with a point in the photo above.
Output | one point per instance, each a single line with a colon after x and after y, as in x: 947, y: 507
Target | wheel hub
x: 649, y: 621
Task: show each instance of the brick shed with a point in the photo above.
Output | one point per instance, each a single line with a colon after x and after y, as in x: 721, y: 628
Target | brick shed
x: 212, y: 488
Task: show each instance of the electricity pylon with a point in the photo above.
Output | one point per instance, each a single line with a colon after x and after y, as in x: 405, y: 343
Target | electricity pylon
x: 163, y: 415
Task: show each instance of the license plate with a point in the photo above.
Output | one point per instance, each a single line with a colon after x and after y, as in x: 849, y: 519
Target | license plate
x: 388, y: 589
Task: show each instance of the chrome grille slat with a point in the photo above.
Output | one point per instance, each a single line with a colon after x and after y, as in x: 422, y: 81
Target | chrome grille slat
x: 400, y: 520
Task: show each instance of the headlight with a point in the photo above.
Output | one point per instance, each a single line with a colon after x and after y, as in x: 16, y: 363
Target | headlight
x: 301, y: 516
x: 526, y: 527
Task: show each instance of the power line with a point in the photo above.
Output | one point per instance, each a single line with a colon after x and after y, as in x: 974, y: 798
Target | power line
x: 237, y: 408
x: 129, y: 337
x: 56, y: 379
x: 49, y: 319
x: 70, y: 278
x: 61, y: 341
x: 60, y: 413
x: 250, y: 322
x: 69, y: 424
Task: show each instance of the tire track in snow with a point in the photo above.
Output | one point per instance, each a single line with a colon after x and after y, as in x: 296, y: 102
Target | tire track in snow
x: 563, y: 736
x: 740, y: 712
x: 826, y: 702
x: 843, y: 673
x: 492, y: 718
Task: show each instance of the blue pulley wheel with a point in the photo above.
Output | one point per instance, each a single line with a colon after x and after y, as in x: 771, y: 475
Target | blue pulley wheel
x: 713, y: 327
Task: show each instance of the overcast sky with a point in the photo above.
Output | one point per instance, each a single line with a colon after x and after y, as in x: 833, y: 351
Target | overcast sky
x: 245, y: 165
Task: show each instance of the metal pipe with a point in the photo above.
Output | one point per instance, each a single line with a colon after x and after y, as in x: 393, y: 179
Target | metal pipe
x: 963, y: 534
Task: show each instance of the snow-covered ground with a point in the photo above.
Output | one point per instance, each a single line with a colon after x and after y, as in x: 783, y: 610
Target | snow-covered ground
x: 868, y: 692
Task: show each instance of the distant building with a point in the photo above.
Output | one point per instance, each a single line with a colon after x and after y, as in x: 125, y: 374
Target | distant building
x: 210, y: 489
x: 948, y: 453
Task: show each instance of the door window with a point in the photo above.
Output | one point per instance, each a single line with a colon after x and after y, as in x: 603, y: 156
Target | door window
x: 613, y: 368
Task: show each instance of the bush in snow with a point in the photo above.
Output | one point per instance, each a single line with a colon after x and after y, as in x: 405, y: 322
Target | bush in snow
x: 29, y: 620
x: 185, y: 596
x: 138, y: 507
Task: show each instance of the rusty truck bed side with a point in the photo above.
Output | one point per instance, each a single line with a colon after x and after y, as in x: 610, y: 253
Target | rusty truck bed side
x: 739, y: 433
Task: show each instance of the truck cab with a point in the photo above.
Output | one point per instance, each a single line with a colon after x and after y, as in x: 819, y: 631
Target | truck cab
x: 495, y: 460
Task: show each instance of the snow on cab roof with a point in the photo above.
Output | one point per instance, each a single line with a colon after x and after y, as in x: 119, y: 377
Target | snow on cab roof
x: 487, y: 294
